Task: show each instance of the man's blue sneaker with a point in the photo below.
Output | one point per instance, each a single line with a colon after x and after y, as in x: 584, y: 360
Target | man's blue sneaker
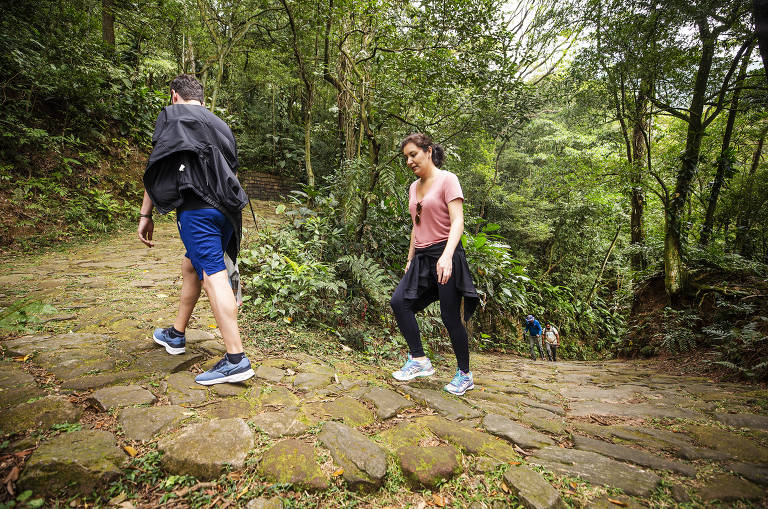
x: 461, y: 383
x: 412, y: 368
x: 226, y: 372
x: 174, y: 346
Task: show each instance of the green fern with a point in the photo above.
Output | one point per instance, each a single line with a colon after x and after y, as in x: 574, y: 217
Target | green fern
x: 373, y: 280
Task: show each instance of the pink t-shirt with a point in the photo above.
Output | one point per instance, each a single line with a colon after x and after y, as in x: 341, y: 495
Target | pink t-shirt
x: 435, y: 223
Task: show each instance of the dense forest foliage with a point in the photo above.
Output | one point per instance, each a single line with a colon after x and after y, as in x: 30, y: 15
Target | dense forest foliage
x: 607, y: 150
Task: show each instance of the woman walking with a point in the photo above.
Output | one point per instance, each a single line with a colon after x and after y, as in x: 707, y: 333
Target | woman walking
x: 437, y: 266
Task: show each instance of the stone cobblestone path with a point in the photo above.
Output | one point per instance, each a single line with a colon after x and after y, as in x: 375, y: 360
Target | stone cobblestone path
x: 90, y: 390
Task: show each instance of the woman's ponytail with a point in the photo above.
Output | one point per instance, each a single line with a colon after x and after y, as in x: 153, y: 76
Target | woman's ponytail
x: 424, y: 142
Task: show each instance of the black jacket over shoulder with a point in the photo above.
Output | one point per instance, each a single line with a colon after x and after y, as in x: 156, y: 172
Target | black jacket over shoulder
x: 209, y: 146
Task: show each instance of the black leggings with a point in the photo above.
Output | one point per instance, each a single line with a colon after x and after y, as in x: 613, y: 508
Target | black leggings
x: 450, y: 312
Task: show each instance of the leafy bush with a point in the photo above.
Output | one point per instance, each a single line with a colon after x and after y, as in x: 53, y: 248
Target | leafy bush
x: 743, y: 350
x: 284, y: 280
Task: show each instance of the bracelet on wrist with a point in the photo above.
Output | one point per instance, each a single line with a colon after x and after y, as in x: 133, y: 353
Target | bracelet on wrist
x: 146, y: 215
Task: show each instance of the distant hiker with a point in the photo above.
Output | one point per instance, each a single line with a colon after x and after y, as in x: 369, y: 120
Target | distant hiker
x: 551, y: 341
x: 192, y: 170
x: 533, y: 329
x: 437, y: 266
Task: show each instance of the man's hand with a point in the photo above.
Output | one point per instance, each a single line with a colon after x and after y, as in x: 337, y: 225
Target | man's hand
x: 146, y: 228
x: 444, y: 269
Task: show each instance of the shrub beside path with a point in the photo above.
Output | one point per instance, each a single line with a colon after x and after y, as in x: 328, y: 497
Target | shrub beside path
x: 91, y: 409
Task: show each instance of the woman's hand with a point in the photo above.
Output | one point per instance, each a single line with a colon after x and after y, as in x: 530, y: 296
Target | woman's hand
x: 444, y: 268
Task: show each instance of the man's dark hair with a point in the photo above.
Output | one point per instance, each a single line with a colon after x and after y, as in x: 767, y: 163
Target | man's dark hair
x: 187, y: 86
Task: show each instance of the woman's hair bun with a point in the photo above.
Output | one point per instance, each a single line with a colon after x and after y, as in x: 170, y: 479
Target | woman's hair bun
x: 438, y: 154
x: 424, y: 142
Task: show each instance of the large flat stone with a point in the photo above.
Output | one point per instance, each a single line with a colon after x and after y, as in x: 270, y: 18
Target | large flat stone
x: 728, y: 488
x: 16, y: 385
x: 387, y: 402
x: 428, y: 466
x: 40, y: 414
x: 585, y: 408
x: 183, y: 390
x: 531, y: 489
x: 292, y: 461
x: 470, y: 440
x: 404, y: 434
x: 755, y: 473
x: 310, y: 381
x: 636, y: 456
x: 144, y: 423
x: 349, y: 410
x: 449, y: 407
x: 318, y: 369
x: 229, y: 408
x: 732, y: 444
x: 121, y: 395
x: 205, y: 449
x: 158, y: 361
x: 98, y: 381
x: 76, y: 462
x: 597, y: 469
x: 753, y: 421
x: 269, y: 373
x: 515, y: 433
x: 364, y: 462
x: 278, y: 396
x: 279, y: 424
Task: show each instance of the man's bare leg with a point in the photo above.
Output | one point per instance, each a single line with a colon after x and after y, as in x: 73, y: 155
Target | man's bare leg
x: 224, y: 308
x: 190, y: 292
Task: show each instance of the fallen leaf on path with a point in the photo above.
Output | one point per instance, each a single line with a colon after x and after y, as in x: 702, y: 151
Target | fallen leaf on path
x: 132, y: 452
x: 617, y: 502
x: 504, y: 488
x: 23, y: 359
x: 438, y: 500
x: 12, y: 476
x: 337, y: 473
x: 515, y: 462
x: 574, y: 485
x: 243, y: 492
x: 117, y: 500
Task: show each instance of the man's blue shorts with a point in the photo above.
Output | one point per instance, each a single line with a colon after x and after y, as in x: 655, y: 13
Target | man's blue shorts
x: 205, y: 233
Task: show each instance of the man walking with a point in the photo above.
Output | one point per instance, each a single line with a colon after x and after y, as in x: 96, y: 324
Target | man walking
x: 533, y: 329
x: 551, y: 340
x: 192, y: 170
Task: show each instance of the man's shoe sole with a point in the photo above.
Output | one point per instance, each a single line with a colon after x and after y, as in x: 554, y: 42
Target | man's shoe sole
x: 237, y: 377
x: 168, y: 348
x: 460, y: 393
x: 420, y: 373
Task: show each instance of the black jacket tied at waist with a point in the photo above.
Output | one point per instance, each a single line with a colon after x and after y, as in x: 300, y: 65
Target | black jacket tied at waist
x: 420, y: 282
x: 210, y: 146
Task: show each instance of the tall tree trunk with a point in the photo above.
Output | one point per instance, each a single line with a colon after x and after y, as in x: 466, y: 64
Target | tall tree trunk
x: 108, y: 23
x: 306, y: 106
x: 219, y: 77
x: 674, y: 269
x: 760, y: 11
x: 638, y: 154
x: 725, y: 161
x: 602, y: 268
x: 742, y: 244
